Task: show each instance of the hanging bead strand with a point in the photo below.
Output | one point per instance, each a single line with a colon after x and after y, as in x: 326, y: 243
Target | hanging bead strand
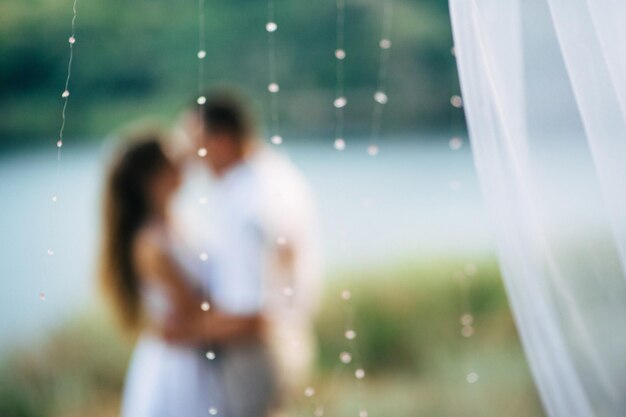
x: 380, y: 96
x: 273, y: 88
x: 201, y: 54
x: 340, y: 99
x: 65, y: 95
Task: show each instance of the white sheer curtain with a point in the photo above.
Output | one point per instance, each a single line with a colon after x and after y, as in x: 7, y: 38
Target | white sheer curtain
x: 544, y: 87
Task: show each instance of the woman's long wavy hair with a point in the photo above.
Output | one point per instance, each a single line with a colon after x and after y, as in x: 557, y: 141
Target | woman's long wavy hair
x: 126, y: 208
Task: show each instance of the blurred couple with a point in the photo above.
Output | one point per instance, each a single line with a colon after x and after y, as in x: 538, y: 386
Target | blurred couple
x: 223, y: 313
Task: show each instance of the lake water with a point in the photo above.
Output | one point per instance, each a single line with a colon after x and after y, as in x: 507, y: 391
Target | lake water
x: 415, y: 199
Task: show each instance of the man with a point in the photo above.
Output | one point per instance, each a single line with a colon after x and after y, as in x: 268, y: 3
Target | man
x: 264, y: 246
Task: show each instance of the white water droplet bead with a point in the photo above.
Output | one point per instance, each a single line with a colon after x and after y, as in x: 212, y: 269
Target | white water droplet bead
x: 467, y: 319
x: 381, y: 97
x: 472, y: 377
x: 467, y: 331
x: 385, y: 44
x: 340, y: 102
x: 455, y: 143
x: 345, y: 357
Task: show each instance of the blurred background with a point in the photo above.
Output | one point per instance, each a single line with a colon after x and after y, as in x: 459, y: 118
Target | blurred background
x: 405, y: 231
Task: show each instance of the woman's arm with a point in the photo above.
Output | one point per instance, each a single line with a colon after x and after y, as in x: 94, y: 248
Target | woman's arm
x: 189, y: 323
x: 207, y: 328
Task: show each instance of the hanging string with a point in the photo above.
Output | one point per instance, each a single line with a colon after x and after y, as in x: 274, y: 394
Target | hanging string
x: 205, y: 306
x: 351, y: 356
x: 201, y: 51
x: 201, y: 100
x: 65, y: 95
x: 273, y: 88
x: 466, y: 319
x: 340, y: 99
x: 348, y: 359
x: 380, y: 96
x: 471, y: 375
x: 456, y: 142
x: 66, y: 92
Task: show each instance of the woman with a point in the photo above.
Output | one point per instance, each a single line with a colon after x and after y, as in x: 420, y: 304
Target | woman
x: 180, y: 366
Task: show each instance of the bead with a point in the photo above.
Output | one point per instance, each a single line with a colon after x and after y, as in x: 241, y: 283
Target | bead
x: 345, y: 357
x: 340, y: 102
x: 385, y: 44
x: 381, y: 97
x: 455, y: 143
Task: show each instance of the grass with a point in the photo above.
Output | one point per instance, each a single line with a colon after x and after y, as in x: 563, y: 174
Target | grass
x: 408, y: 339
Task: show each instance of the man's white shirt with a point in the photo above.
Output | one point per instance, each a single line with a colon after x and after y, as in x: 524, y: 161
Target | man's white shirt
x: 259, y: 229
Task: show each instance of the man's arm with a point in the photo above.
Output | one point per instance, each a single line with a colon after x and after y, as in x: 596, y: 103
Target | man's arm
x: 208, y: 328
x: 189, y: 322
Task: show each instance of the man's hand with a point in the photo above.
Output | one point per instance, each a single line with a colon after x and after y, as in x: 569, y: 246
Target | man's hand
x: 184, y: 328
x: 197, y: 327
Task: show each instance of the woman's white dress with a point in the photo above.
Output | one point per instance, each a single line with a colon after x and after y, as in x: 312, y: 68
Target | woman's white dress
x: 165, y: 380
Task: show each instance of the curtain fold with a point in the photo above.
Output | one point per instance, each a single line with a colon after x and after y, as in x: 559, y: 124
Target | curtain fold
x: 542, y: 82
x: 593, y: 43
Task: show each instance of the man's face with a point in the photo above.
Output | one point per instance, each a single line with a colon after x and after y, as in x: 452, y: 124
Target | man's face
x: 222, y: 151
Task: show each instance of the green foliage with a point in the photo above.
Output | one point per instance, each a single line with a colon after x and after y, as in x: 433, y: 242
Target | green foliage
x: 140, y: 56
x: 81, y: 367
x: 408, y: 334
x: 408, y: 316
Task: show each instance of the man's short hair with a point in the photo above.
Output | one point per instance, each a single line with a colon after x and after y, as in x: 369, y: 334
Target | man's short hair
x: 227, y: 113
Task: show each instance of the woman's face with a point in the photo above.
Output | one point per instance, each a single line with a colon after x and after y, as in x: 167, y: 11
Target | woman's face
x: 164, y: 185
